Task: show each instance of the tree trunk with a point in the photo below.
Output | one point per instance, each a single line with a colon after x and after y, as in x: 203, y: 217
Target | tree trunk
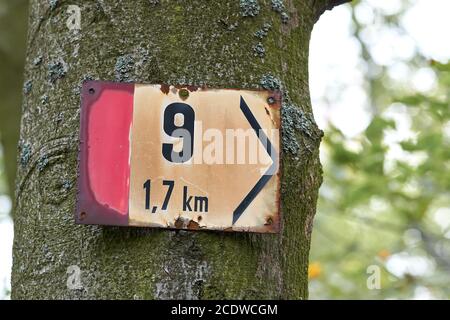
x: 175, y: 42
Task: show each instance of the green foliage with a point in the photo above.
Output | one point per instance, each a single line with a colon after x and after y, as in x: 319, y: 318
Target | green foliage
x: 12, y: 56
x: 385, y: 202
x: 3, y: 187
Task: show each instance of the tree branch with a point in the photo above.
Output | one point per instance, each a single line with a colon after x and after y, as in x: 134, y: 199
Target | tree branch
x: 324, y: 5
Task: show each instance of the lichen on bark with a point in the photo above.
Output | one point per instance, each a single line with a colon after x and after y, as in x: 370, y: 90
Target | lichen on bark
x: 172, y: 42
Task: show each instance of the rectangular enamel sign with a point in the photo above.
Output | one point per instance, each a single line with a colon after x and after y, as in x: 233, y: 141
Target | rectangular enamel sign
x: 179, y: 157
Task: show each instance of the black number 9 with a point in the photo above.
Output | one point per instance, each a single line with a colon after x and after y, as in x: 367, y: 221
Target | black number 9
x: 185, y: 131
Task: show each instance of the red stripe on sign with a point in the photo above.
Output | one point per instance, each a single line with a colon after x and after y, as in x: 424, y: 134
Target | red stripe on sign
x: 106, y: 120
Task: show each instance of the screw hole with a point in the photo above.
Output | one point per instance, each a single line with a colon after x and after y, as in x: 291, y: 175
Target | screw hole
x: 82, y: 215
x: 199, y: 218
x: 184, y: 93
x: 91, y: 90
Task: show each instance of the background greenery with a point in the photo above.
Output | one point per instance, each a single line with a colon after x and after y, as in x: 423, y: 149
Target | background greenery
x: 13, y: 25
x: 385, y: 200
x: 386, y: 194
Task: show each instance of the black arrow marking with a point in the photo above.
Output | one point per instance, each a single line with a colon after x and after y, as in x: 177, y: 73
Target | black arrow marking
x: 268, y: 174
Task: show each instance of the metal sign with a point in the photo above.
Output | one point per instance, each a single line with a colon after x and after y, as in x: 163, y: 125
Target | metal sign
x: 179, y: 157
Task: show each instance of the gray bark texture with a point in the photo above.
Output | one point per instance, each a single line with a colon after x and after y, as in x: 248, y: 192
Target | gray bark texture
x: 221, y: 44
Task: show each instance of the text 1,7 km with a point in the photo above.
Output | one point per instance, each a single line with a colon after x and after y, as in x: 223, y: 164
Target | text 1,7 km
x: 190, y: 203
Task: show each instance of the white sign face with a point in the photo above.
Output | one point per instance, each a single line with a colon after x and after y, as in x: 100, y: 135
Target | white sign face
x: 179, y: 157
x: 205, y: 159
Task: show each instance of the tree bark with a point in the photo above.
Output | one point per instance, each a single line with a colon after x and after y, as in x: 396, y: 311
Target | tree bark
x: 175, y: 42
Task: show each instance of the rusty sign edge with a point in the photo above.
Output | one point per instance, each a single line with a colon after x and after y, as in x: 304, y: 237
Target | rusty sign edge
x: 90, y: 212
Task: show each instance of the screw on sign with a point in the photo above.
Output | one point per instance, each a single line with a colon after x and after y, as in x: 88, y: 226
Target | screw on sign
x: 179, y: 157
